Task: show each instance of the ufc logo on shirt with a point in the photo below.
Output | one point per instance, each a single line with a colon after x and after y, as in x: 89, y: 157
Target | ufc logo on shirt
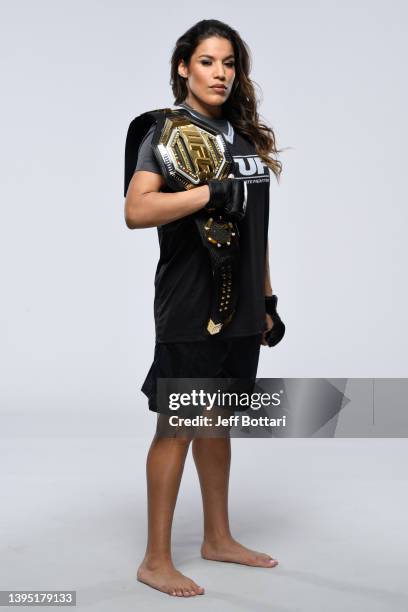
x: 251, y: 166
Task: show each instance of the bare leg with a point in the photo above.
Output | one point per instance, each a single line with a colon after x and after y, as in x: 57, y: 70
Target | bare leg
x: 164, y: 469
x: 212, y: 457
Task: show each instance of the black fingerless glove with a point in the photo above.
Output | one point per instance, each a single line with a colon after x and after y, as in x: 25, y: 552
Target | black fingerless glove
x: 277, y: 332
x: 228, y: 196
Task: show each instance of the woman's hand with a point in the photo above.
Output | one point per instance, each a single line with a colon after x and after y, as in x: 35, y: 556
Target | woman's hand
x: 276, y: 331
x: 269, y: 325
x: 229, y: 196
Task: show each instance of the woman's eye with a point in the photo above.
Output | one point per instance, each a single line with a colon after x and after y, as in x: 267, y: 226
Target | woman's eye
x: 207, y: 63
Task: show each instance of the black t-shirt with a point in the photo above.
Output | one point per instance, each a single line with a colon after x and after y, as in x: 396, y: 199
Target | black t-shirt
x: 183, y: 280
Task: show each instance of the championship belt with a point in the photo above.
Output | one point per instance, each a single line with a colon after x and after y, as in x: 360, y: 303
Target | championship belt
x: 190, y: 152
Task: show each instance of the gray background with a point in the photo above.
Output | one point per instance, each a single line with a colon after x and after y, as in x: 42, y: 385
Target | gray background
x: 77, y: 300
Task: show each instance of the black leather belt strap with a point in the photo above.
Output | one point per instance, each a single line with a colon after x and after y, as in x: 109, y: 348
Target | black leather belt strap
x: 220, y: 237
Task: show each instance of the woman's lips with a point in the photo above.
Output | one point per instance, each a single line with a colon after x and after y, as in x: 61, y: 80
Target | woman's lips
x: 220, y: 89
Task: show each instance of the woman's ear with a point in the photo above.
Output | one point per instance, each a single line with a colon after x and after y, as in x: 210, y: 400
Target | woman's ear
x: 182, y: 69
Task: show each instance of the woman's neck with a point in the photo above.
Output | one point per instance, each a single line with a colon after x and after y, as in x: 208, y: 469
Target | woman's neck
x: 213, y: 112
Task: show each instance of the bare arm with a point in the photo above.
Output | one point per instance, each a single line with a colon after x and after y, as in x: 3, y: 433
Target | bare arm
x: 146, y: 206
x: 267, y: 291
x: 268, y: 286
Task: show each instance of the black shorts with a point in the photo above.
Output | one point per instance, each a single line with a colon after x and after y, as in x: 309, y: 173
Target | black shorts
x: 215, y: 357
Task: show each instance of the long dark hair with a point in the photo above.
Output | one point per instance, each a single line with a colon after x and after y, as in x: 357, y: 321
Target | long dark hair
x: 241, y: 107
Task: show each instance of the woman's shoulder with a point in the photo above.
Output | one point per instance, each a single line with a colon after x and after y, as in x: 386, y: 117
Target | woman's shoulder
x: 148, y: 137
x: 154, y: 111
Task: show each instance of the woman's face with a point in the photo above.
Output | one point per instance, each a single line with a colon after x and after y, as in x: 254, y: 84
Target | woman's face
x: 212, y: 64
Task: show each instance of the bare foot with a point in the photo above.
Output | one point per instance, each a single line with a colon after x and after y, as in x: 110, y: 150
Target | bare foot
x: 228, y: 549
x: 164, y: 577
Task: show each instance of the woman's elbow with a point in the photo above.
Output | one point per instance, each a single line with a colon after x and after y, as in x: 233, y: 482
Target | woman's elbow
x: 131, y: 223
x: 138, y: 213
x: 134, y: 221
x: 132, y: 216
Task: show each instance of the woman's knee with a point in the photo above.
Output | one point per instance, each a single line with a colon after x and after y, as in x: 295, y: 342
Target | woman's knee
x: 180, y: 435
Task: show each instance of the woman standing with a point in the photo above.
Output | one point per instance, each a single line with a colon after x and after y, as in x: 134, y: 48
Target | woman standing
x: 209, y: 76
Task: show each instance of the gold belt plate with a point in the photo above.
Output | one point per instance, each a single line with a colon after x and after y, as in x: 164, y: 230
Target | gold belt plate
x: 193, y: 154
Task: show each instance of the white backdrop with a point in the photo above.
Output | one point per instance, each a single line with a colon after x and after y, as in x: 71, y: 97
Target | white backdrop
x: 77, y: 329
x: 77, y: 284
